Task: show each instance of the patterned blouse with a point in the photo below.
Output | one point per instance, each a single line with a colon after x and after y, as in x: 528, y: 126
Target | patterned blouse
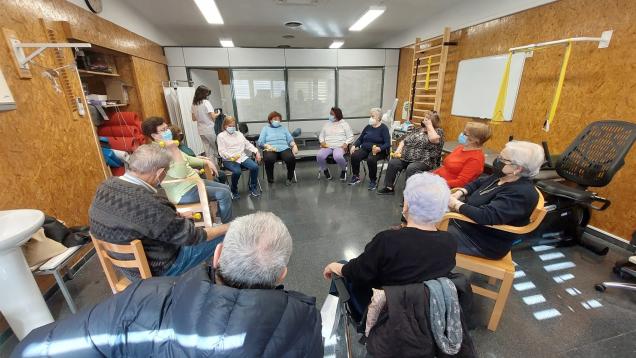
x: 417, y: 148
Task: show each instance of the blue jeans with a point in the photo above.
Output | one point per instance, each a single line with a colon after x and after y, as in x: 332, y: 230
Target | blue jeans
x: 191, y: 256
x: 235, y: 168
x: 217, y: 192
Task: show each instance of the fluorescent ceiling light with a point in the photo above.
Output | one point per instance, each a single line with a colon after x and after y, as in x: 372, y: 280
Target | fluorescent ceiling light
x: 373, y: 13
x: 210, y: 11
x: 336, y: 44
x: 227, y: 43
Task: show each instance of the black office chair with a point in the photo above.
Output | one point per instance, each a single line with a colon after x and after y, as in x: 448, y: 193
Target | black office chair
x: 591, y: 160
x: 625, y: 269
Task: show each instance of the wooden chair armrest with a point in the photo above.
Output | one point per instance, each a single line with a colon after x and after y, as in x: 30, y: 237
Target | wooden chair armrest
x: 203, y: 194
x: 443, y: 225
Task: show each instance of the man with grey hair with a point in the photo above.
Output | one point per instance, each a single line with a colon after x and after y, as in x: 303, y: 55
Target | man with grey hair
x: 237, y: 309
x: 414, y: 253
x: 131, y: 207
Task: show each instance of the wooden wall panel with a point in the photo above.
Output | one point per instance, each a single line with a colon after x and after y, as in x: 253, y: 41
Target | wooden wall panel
x: 600, y: 83
x: 404, y: 79
x: 148, y: 78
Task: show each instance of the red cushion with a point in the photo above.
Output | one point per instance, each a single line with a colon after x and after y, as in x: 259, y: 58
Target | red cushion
x: 119, y: 131
x: 123, y: 118
x: 123, y: 143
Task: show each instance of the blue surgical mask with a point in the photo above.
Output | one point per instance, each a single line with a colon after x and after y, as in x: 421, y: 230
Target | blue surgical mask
x: 231, y: 130
x: 462, y: 139
x: 332, y: 118
x: 167, y: 135
x: 275, y: 124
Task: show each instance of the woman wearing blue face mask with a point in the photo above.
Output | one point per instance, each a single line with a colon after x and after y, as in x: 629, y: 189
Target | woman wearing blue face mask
x: 277, y: 144
x: 372, y: 145
x: 233, y: 149
x: 466, y: 162
x: 335, y: 137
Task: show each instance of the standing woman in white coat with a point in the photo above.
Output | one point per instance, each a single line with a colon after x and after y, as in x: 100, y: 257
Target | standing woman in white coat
x: 203, y: 113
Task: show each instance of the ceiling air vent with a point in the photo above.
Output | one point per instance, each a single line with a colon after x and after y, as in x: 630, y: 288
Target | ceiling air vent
x: 294, y: 24
x: 296, y: 2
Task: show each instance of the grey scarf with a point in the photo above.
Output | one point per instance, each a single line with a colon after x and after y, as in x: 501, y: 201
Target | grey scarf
x: 445, y: 315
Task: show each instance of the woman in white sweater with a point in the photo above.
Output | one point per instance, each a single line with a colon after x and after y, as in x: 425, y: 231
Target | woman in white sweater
x: 204, y: 115
x: 233, y: 149
x: 335, y: 138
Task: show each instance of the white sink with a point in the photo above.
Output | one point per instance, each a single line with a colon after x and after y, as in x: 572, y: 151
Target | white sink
x: 17, y: 226
x: 21, y: 301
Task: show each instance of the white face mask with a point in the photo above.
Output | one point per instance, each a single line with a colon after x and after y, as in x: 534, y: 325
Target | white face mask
x: 372, y: 121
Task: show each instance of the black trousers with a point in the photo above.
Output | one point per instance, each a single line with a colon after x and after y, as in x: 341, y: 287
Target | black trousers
x: 286, y: 156
x: 396, y: 165
x: 372, y: 162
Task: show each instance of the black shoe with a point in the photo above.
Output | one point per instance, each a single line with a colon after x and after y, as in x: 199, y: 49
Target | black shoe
x: 288, y: 182
x: 327, y: 174
x: 386, y: 191
x: 343, y: 175
x: 270, y: 181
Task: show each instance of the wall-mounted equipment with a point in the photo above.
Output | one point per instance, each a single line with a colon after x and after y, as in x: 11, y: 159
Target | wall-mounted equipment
x: 7, y: 103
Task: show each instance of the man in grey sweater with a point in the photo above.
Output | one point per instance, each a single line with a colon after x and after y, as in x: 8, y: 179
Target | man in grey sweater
x: 132, y: 207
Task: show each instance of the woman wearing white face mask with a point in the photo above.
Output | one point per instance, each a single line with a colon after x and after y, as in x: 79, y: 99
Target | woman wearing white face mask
x: 233, y: 148
x: 277, y: 144
x: 335, y: 137
x: 372, y: 145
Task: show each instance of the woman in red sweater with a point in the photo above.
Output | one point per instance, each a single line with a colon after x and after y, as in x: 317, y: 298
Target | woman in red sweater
x: 466, y: 162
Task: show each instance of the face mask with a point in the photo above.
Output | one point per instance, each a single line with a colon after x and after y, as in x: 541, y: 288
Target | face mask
x: 231, y: 130
x: 372, y: 121
x: 462, y: 139
x: 497, y: 167
x: 167, y: 135
x: 275, y: 124
x: 332, y: 118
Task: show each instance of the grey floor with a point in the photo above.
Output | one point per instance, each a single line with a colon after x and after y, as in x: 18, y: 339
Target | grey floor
x: 330, y: 221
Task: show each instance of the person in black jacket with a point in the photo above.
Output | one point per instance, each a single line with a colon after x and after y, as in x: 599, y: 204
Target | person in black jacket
x: 507, y: 197
x: 372, y: 145
x: 412, y: 254
x: 236, y: 309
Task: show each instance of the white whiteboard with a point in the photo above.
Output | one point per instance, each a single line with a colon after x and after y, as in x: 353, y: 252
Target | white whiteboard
x: 477, y: 85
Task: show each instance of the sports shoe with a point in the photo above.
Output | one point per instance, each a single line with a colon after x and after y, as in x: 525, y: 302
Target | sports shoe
x: 327, y: 174
x: 386, y: 191
x: 373, y: 185
x: 343, y: 175
x: 236, y: 196
x: 354, y: 179
x: 255, y: 193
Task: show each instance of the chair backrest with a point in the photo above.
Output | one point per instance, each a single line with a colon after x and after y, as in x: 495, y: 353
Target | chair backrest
x: 119, y: 283
x: 597, y: 153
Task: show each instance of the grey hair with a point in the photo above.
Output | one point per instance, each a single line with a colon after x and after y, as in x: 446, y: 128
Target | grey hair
x: 256, y: 250
x: 149, y: 158
x: 377, y: 110
x: 529, y: 156
x: 427, y: 196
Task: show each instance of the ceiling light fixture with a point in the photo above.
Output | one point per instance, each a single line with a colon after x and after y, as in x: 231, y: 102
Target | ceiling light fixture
x: 210, y: 11
x: 227, y: 42
x: 336, y: 44
x: 373, y: 13
x: 293, y: 24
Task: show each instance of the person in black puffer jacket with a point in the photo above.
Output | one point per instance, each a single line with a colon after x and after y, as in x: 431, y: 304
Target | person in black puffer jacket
x: 236, y: 309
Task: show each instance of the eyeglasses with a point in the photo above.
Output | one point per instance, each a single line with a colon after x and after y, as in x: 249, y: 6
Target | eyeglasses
x: 504, y: 160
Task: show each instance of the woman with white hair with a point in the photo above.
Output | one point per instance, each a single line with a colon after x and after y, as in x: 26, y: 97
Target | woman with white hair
x: 507, y: 197
x: 414, y: 253
x: 372, y: 145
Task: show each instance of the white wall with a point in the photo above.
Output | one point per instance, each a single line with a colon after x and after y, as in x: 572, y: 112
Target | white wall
x: 466, y: 13
x: 120, y: 13
x: 181, y: 58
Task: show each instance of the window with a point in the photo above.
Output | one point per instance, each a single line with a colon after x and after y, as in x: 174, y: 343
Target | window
x: 257, y: 93
x: 312, y: 93
x: 359, y: 90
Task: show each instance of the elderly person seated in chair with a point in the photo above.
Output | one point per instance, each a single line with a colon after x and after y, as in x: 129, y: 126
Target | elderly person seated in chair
x: 507, y: 197
x: 412, y: 254
x: 277, y: 144
x: 130, y: 207
x: 372, y: 145
x: 186, y: 192
x: 236, y: 309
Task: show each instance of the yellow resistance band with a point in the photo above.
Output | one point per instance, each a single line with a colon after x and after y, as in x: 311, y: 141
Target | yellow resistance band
x: 557, y: 93
x: 428, y: 73
x: 497, y: 114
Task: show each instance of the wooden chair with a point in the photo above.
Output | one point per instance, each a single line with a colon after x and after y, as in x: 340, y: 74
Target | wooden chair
x: 207, y: 211
x: 117, y: 281
x: 502, y: 269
